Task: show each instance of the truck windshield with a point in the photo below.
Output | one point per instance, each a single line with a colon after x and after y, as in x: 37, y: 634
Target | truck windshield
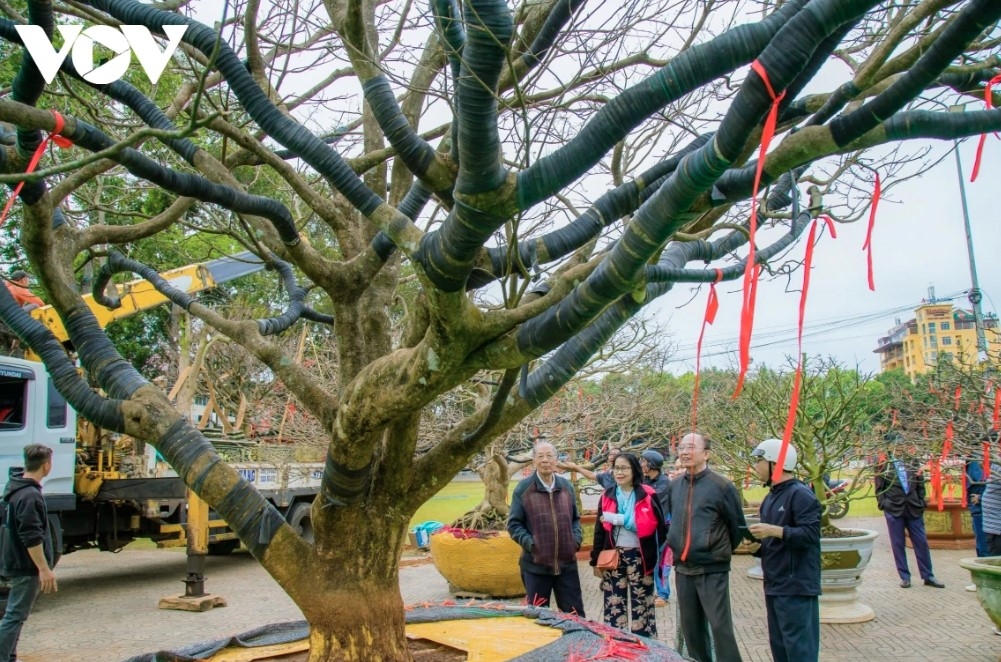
x: 12, y: 399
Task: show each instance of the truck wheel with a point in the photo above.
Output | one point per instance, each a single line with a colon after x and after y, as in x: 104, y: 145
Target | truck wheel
x: 223, y: 547
x: 301, y: 520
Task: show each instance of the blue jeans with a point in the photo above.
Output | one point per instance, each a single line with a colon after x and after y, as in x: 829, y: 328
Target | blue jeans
x: 978, y: 533
x: 662, y: 584
x: 23, y: 591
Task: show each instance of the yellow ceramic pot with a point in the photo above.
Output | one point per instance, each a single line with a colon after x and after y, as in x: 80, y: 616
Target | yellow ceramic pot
x: 487, y: 566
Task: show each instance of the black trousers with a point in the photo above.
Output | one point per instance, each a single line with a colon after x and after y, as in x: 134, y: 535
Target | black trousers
x: 793, y: 627
x: 993, y: 544
x: 565, y: 585
x: 706, y: 599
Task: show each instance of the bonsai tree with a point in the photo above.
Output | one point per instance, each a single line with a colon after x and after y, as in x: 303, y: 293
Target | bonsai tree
x: 837, y: 423
x: 583, y: 161
x: 947, y: 414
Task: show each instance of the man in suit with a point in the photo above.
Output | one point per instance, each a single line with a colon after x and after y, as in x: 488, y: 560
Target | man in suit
x: 900, y: 494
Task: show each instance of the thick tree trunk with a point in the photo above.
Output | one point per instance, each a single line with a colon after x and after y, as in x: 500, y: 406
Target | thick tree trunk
x: 351, y: 598
x: 358, y: 622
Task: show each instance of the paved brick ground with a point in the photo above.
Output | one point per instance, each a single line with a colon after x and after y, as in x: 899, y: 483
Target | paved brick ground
x: 106, y: 609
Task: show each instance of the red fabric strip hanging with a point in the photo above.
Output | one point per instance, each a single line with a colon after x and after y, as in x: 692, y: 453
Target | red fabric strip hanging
x: 936, y: 484
x: 712, y: 307
x: 751, y: 270
x: 989, y: 100
x: 987, y: 460
x: 996, y: 416
x: 893, y: 423
x: 798, y: 377
x: 949, y: 436
x: 36, y: 158
x: 957, y: 396
x: 867, y: 246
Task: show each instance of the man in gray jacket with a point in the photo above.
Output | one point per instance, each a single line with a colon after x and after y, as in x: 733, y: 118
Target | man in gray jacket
x: 706, y: 521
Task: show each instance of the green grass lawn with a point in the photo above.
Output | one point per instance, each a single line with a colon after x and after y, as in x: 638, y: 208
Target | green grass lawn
x: 454, y: 500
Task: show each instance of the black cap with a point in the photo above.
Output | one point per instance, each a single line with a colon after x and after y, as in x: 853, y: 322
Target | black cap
x: 654, y: 459
x: 18, y: 274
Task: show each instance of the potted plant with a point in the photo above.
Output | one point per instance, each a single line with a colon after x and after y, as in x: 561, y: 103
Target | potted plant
x: 835, y: 426
x: 475, y: 554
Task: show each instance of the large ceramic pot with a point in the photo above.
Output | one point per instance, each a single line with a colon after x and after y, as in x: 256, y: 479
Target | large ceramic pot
x: 842, y: 561
x: 751, y: 517
x: 478, y: 563
x: 986, y: 574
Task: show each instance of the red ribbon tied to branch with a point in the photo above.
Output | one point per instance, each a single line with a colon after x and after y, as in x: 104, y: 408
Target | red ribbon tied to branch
x: 752, y: 271
x: 35, y: 158
x: 712, y: 306
x: 996, y: 415
x: 797, y: 379
x: 989, y: 100
x: 867, y: 246
x: 949, y: 436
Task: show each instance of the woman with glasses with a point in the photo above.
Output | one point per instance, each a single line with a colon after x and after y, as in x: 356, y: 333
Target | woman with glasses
x: 630, y: 520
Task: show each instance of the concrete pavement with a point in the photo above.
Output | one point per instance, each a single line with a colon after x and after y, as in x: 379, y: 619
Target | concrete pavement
x: 106, y: 608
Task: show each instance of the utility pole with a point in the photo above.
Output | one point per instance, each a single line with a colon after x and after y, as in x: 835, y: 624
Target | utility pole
x: 975, y: 296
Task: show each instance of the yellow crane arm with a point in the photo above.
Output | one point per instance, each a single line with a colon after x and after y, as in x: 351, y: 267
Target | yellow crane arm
x: 139, y: 295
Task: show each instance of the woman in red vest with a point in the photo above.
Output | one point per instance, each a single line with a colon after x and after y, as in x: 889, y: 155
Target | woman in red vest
x: 630, y: 520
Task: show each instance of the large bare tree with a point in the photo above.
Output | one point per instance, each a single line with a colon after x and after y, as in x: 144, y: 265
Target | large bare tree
x: 586, y: 154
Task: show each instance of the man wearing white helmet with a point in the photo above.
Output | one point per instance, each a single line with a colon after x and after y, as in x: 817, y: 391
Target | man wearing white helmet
x: 790, y: 556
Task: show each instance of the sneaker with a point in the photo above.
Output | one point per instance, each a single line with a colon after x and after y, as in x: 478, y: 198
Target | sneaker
x: 972, y: 588
x: 931, y: 581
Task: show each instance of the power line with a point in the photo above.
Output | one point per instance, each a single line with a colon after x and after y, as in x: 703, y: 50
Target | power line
x: 787, y: 335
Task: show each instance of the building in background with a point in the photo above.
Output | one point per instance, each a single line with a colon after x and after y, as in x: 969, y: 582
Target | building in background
x: 938, y: 332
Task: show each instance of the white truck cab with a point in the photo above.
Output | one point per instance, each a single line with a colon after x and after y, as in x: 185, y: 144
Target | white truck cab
x: 33, y: 411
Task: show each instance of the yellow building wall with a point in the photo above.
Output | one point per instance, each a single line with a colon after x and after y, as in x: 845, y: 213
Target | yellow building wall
x: 933, y: 334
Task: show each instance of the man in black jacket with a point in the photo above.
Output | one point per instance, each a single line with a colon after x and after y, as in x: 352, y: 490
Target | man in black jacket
x: 790, y: 557
x: 26, y: 550
x: 544, y: 520
x: 900, y: 494
x: 706, y: 517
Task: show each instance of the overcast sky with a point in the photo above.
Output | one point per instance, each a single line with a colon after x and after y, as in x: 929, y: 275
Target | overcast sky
x: 918, y: 240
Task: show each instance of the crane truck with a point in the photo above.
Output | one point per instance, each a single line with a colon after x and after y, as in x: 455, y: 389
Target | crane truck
x: 103, y: 493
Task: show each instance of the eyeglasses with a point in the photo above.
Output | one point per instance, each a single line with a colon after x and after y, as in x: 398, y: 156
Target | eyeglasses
x: 621, y: 469
x: 687, y: 447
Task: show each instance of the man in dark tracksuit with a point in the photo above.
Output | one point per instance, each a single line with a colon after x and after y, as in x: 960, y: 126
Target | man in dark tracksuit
x: 706, y: 517
x: 26, y: 553
x: 790, y: 557
x: 544, y: 520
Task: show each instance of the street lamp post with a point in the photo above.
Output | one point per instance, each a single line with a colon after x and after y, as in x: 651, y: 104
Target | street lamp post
x: 975, y: 294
